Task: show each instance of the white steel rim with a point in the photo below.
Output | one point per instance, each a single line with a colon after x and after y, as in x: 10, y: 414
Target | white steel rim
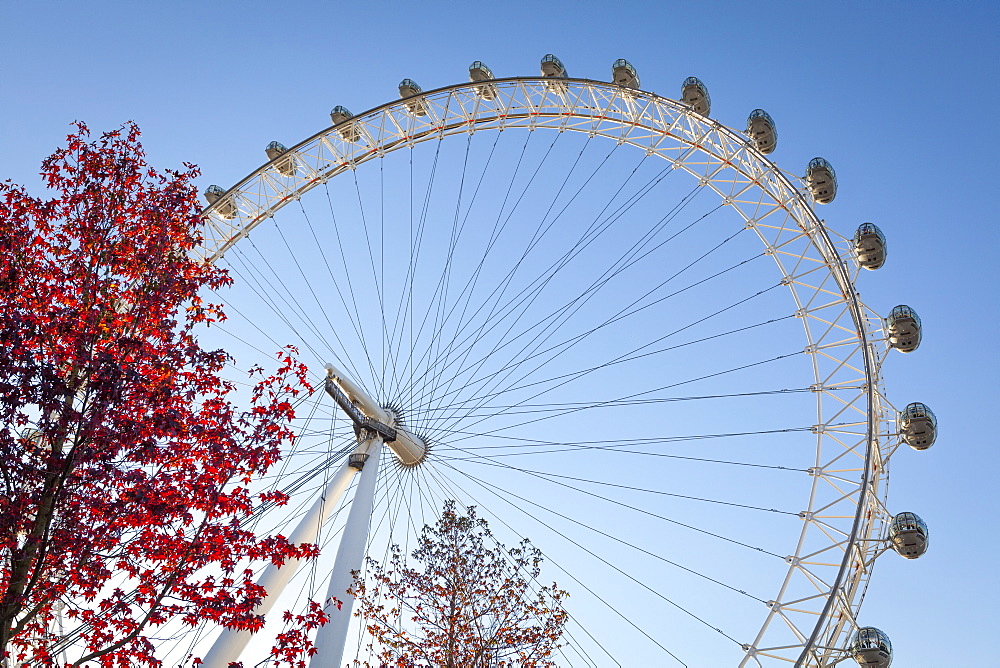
x: 846, y: 505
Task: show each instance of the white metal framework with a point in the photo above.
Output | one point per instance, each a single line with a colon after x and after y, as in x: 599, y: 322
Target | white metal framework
x: 808, y: 619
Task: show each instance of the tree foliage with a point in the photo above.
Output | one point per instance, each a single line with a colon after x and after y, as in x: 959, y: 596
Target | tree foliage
x: 464, y: 602
x: 125, y: 463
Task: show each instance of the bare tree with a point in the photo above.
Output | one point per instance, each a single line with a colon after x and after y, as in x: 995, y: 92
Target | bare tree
x: 464, y: 601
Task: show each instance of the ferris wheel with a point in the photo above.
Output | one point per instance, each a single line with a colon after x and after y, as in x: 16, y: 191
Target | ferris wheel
x: 610, y: 323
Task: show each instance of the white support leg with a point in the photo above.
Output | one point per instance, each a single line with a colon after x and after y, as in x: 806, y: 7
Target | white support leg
x: 331, y: 637
x: 231, y: 643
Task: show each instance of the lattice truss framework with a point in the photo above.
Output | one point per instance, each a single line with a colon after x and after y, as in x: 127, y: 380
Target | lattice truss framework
x: 812, y: 615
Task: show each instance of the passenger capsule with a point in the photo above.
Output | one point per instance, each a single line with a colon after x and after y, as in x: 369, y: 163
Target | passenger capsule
x: 869, y: 246
x: 225, y: 208
x: 553, y: 67
x: 695, y: 94
x: 286, y: 166
x: 822, y: 180
x: 761, y: 128
x: 908, y: 535
x: 903, y: 328
x: 348, y: 131
x: 917, y: 426
x: 410, y: 91
x: 871, y: 648
x: 37, y: 438
x: 478, y: 71
x: 34, y: 435
x: 623, y: 74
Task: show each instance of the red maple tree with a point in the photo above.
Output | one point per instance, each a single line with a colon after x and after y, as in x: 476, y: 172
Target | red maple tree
x: 464, y: 601
x: 125, y: 462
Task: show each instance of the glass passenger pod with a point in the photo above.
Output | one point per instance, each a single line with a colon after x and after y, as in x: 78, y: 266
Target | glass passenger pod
x: 904, y: 329
x: 917, y: 426
x: 349, y: 131
x: 223, y: 206
x: 695, y: 94
x: 552, y: 68
x: 35, y: 436
x: 285, y: 166
x: 822, y: 180
x: 871, y: 648
x: 478, y: 71
x: 908, y: 535
x: 763, y: 132
x: 869, y: 246
x: 623, y: 74
x: 410, y: 91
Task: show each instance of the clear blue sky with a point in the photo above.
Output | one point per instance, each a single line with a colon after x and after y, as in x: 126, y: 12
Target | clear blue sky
x: 901, y: 97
